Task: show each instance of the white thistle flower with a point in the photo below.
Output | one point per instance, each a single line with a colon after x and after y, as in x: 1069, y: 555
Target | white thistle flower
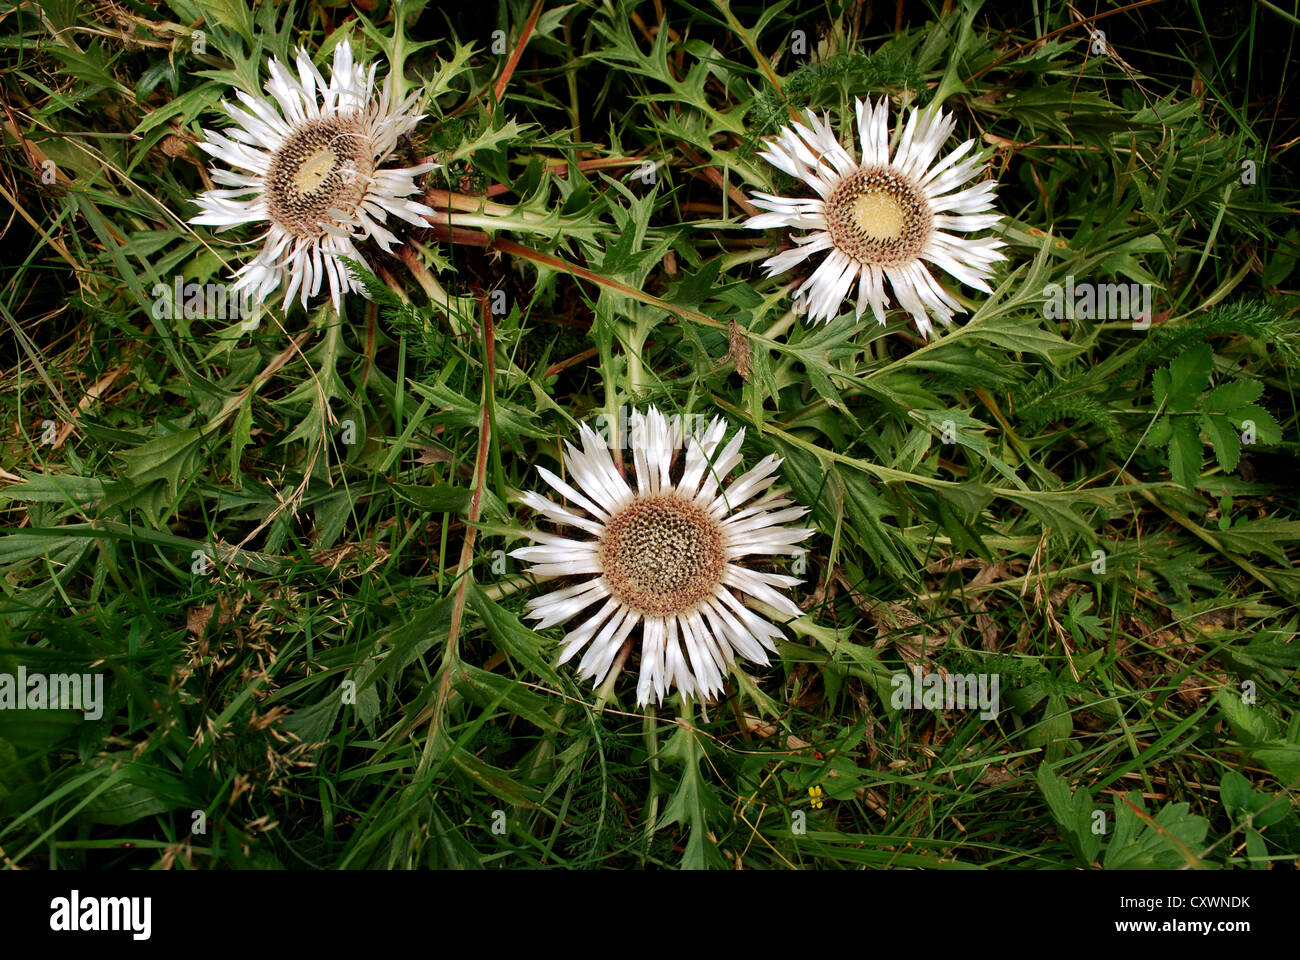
x: 309, y: 162
x: 663, y: 555
x: 881, y: 217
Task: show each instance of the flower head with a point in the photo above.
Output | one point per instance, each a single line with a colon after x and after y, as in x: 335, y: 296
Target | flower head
x: 662, y: 554
x: 308, y: 162
x: 881, y: 217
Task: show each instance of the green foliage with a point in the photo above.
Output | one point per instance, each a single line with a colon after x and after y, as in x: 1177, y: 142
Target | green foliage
x: 1193, y: 410
x: 278, y: 546
x: 1074, y: 814
x: 822, y: 83
x: 1169, y: 840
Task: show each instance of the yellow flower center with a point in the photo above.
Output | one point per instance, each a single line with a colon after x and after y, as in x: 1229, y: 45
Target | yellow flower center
x: 879, y: 217
x: 314, y: 170
x: 322, y: 171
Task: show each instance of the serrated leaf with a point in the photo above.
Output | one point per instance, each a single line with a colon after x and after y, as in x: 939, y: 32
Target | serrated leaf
x: 167, y: 457
x: 1274, y: 652
x: 1267, y: 430
x: 511, y: 636
x: 692, y: 801
x: 1160, y: 387
x: 233, y: 14
x: 1224, y: 440
x: 489, y: 689
x: 313, y: 724
x: 498, y: 132
x: 867, y: 510
x: 1185, y: 451
x: 1072, y: 813
x: 1052, y: 509
x: 1229, y: 396
x: 1022, y: 333
x: 494, y: 780
x: 1265, y: 535
x: 1250, y: 725
x: 410, y: 639
x: 1189, y: 374
x: 825, y: 389
x: 959, y: 427
x: 1171, y: 839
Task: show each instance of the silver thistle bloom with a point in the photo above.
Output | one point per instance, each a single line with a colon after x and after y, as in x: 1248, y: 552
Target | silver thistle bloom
x: 883, y: 217
x: 664, y: 555
x: 307, y: 162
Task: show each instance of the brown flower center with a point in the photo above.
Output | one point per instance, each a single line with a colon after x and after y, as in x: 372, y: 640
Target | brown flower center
x: 323, y: 166
x: 878, y: 216
x: 662, y: 555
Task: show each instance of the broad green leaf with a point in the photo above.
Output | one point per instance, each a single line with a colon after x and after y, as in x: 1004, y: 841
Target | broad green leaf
x: 233, y: 14
x: 1281, y: 758
x: 55, y: 488
x: 1173, y: 838
x: 1224, y: 439
x: 143, y: 791
x: 1227, y: 397
x: 1185, y: 451
x: 1250, y: 724
x: 1073, y: 813
x: 1254, y: 417
x: 1189, y: 374
x: 170, y: 457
